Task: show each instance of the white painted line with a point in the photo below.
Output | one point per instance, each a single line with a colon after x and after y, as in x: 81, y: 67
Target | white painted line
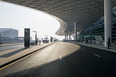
x: 97, y: 55
x: 60, y: 57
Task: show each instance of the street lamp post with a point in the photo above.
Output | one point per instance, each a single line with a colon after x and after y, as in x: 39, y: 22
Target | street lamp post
x: 0, y: 39
x: 36, y: 41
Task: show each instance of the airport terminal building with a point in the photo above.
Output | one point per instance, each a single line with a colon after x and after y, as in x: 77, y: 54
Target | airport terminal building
x: 97, y: 30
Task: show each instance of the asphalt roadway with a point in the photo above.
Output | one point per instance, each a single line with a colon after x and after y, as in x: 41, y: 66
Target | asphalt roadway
x: 64, y: 60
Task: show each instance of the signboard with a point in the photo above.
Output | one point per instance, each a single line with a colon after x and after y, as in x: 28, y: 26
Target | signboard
x: 27, y: 37
x: 98, y: 38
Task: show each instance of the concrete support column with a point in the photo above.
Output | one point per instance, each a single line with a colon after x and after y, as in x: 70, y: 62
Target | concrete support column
x: 65, y: 36
x: 107, y: 20
x: 75, y: 31
x: 69, y: 35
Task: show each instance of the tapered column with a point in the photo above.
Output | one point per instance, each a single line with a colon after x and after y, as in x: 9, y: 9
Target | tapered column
x: 107, y: 20
x: 69, y: 35
x: 65, y: 36
x: 75, y: 31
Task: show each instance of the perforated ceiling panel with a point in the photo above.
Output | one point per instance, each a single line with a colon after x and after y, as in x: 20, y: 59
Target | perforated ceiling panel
x: 84, y: 12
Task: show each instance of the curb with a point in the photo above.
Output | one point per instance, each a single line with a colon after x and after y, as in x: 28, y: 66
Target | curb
x: 23, y: 56
x: 103, y: 48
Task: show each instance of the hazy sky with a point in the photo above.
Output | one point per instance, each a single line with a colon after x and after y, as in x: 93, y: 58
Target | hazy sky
x: 19, y: 17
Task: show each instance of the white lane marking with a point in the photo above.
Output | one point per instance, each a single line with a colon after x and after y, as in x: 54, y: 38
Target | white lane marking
x: 97, y: 55
x: 60, y: 57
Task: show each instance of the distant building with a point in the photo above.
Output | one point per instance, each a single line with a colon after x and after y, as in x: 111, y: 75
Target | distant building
x: 8, y: 33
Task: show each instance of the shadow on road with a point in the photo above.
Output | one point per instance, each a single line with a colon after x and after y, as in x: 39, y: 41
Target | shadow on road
x: 12, y: 53
x: 79, y: 64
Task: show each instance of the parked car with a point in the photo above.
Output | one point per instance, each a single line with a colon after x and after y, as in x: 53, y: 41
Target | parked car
x: 45, y: 41
x: 32, y: 42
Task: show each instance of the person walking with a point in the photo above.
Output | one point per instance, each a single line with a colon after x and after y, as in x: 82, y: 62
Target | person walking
x: 51, y: 39
x: 39, y: 42
x: 108, y: 42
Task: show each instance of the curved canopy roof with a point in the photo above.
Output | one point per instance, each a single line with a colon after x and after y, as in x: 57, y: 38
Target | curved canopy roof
x: 84, y: 12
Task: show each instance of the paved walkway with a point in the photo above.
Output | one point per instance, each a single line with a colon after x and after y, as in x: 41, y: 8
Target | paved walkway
x: 1, y: 45
x: 13, y: 54
x: 99, y: 46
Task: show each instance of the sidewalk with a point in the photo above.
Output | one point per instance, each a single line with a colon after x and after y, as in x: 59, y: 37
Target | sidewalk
x: 15, y: 54
x: 99, y: 46
x: 1, y: 45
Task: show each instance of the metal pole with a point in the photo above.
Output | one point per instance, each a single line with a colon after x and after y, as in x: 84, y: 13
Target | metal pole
x: 107, y: 20
x: 35, y: 37
x: 0, y: 39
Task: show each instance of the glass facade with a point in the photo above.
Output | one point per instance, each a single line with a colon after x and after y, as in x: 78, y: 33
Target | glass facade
x: 97, y: 29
